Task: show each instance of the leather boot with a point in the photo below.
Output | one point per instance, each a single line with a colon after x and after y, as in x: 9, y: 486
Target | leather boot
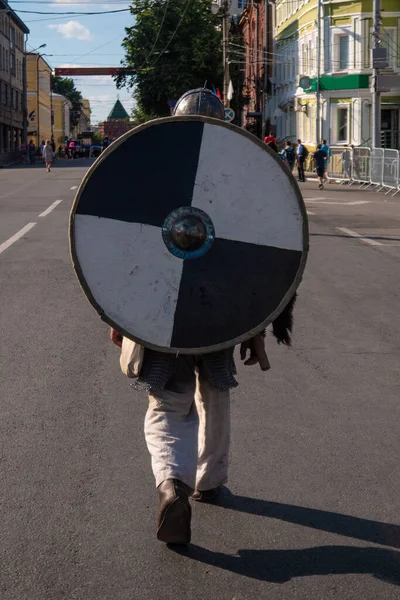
x: 174, y: 513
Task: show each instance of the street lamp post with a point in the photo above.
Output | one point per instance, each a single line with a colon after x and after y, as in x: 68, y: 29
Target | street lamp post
x: 25, y: 91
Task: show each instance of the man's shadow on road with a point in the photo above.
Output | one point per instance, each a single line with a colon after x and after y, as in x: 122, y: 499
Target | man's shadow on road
x: 280, y: 566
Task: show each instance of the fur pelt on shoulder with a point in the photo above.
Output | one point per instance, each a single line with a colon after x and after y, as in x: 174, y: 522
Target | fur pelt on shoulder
x: 283, y: 325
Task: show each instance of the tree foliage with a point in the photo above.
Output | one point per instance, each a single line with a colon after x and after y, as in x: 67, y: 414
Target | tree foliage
x: 172, y: 47
x: 66, y: 87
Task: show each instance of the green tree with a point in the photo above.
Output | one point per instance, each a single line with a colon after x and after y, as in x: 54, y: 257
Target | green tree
x: 66, y: 87
x: 172, y: 47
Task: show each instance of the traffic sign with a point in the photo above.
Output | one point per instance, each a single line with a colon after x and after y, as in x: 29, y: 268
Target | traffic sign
x: 229, y: 114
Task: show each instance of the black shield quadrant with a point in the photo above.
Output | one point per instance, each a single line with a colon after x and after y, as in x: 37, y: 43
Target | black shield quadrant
x: 189, y: 235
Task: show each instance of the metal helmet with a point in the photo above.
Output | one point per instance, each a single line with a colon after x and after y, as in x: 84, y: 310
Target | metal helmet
x: 200, y: 102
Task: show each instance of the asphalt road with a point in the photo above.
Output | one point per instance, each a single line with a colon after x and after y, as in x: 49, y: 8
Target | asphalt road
x: 311, y: 510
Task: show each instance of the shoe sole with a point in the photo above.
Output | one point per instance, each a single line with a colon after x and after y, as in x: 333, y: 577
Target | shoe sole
x: 208, y: 499
x: 175, y: 526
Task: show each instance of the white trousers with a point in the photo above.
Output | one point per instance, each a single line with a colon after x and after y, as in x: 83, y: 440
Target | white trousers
x: 187, y: 429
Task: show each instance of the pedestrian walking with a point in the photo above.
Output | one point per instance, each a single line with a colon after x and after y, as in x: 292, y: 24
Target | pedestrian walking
x: 53, y: 147
x: 42, y: 145
x: 187, y: 426
x: 48, y: 155
x: 325, y: 148
x: 320, y: 157
x: 355, y: 162
x: 31, y: 152
x: 289, y: 156
x: 302, y: 153
x: 346, y: 163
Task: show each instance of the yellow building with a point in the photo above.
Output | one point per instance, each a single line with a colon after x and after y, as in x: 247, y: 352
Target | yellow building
x: 12, y: 44
x: 84, y: 121
x: 39, y: 98
x: 86, y: 112
x: 61, y: 118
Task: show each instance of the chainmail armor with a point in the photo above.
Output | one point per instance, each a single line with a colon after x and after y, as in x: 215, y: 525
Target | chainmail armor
x: 158, y: 368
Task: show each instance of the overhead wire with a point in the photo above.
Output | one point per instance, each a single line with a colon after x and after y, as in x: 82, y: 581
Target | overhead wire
x: 157, y: 36
x: 69, y: 13
x: 174, y: 33
x: 65, y: 2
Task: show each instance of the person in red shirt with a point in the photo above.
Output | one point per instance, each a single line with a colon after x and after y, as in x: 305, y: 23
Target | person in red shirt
x: 269, y: 138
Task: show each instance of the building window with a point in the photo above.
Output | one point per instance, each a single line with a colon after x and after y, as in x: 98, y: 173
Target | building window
x: 343, y: 52
x: 12, y: 38
x: 341, y: 123
x: 241, y: 4
x: 389, y: 42
x: 12, y: 64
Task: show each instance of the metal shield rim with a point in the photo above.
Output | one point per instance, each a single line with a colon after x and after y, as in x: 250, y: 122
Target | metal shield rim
x: 216, y: 347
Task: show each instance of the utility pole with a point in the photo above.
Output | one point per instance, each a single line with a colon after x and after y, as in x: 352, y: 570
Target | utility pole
x: 376, y: 95
x: 25, y: 101
x: 265, y: 82
x: 318, y: 89
x: 11, y: 95
x: 38, y: 99
x: 225, y: 46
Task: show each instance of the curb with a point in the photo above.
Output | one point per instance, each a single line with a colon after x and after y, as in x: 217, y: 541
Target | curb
x: 6, y: 165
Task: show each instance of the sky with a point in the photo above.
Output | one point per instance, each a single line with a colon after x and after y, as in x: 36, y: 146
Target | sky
x: 81, y: 40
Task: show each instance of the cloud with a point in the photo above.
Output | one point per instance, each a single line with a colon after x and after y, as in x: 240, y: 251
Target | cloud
x: 73, y: 30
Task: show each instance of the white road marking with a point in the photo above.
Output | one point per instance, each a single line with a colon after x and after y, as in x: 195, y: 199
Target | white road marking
x: 74, y: 187
x: 362, y: 238
x: 353, y: 203
x: 16, y: 237
x: 22, y: 187
x: 310, y: 213
x: 51, y: 207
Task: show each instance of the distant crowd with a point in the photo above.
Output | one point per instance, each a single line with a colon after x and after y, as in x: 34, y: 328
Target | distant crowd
x: 294, y: 156
x: 70, y: 149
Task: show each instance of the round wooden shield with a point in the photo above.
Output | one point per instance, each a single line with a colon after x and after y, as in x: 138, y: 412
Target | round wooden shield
x: 189, y: 235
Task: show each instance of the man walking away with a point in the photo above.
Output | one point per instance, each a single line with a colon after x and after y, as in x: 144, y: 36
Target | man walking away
x: 325, y: 148
x: 289, y: 156
x: 48, y: 155
x: 355, y: 162
x: 31, y: 152
x: 301, y: 157
x: 346, y: 163
x: 320, y: 157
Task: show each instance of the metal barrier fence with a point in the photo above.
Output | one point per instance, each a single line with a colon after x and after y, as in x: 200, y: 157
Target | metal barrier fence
x: 379, y: 167
x: 377, y: 159
x: 339, y: 165
x: 390, y: 177
x: 361, y: 165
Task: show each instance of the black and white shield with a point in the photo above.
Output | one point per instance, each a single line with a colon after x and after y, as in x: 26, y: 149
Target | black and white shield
x: 189, y: 235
